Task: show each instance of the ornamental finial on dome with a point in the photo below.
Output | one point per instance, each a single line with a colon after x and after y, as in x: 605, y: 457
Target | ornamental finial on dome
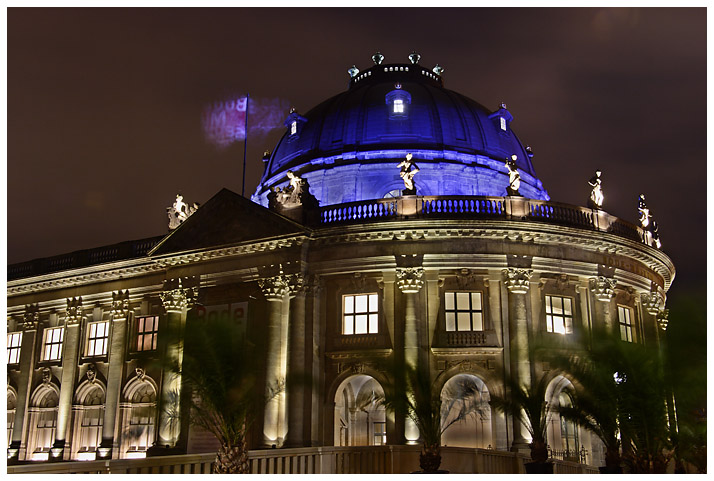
x: 377, y: 58
x: 438, y: 69
x: 503, y: 106
x: 529, y: 151
x: 414, y: 58
x: 353, y: 71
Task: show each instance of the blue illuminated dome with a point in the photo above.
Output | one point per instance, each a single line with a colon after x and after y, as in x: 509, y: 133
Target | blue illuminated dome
x: 348, y: 147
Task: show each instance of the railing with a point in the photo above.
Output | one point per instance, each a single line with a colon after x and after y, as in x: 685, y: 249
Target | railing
x: 471, y: 338
x: 479, y: 207
x: 315, y: 460
x: 84, y: 258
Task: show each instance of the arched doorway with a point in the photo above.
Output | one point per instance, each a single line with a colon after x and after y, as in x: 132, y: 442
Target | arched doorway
x: 359, y: 418
x: 564, y: 436
x: 474, y: 430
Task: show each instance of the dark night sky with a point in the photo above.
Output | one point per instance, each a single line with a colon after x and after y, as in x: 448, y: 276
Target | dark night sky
x: 104, y: 105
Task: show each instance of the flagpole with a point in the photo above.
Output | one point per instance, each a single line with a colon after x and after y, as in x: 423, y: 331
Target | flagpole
x: 245, y: 143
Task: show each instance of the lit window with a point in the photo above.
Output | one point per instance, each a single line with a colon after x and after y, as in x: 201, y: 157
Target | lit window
x: 464, y: 311
x: 141, y: 421
x: 380, y: 434
x: 293, y: 127
x: 559, y: 314
x: 14, y: 340
x: 53, y: 344
x: 625, y: 316
x: 147, y: 333
x: 503, y: 124
x: 97, y: 338
x: 90, y: 434
x: 398, y: 106
x: 359, y: 314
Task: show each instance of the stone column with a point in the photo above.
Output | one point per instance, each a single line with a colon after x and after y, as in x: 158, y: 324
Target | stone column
x: 410, y: 281
x: 178, y: 299
x: 117, y: 349
x: 517, y: 282
x: 275, y: 290
x: 296, y: 363
x: 27, y: 367
x: 73, y: 321
x: 603, y: 290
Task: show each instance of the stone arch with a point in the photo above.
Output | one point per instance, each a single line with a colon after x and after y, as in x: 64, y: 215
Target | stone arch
x: 476, y: 430
x: 42, y: 424
x: 138, y: 416
x: 564, y: 436
x: 88, y: 417
x: 359, y: 418
x: 11, y: 406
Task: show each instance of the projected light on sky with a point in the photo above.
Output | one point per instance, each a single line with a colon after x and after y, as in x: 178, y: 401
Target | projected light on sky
x: 224, y: 121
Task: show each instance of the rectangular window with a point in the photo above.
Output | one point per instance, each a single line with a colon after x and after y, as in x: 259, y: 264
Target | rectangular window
x: 464, y: 311
x: 624, y: 314
x: 97, y: 338
x: 503, y: 124
x: 359, y: 314
x: 14, y: 341
x: 53, y: 344
x: 293, y: 127
x: 147, y: 333
x: 559, y: 314
x: 380, y: 434
x: 398, y: 106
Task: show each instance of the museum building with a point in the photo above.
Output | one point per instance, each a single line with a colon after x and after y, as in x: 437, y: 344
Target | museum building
x: 397, y: 218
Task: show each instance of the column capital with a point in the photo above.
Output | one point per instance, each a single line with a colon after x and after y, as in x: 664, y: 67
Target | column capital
x: 517, y: 280
x: 274, y: 288
x: 179, y: 294
x: 74, y: 311
x: 31, y: 317
x: 603, y: 288
x: 410, y: 279
x: 120, y: 305
x: 652, y: 301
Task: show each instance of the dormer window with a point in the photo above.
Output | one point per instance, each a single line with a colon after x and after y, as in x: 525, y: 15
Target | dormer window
x: 292, y: 122
x: 501, y: 119
x: 293, y: 127
x: 398, y: 101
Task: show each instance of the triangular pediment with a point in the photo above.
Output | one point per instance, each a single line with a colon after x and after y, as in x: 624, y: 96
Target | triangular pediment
x: 226, y: 219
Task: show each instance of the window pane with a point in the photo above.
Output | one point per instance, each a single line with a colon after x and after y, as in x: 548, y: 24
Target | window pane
x: 557, y: 305
x: 361, y: 323
x: 360, y: 303
x: 141, y: 325
x: 373, y: 303
x: 347, y: 323
x: 349, y: 304
x: 450, y: 321
x: 567, y: 306
x: 464, y: 321
x: 449, y: 300
x: 147, y: 343
x: 90, y: 347
x: 558, y: 325
x: 478, y: 321
x: 462, y: 301
x: 373, y: 323
x: 476, y: 301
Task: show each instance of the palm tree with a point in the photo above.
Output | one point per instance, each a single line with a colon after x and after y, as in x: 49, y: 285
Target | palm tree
x: 528, y: 404
x: 412, y: 394
x: 220, y: 371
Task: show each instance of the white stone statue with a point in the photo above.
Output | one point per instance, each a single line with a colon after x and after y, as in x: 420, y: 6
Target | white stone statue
x: 645, y: 215
x: 596, y: 196
x: 514, y: 178
x: 408, y: 170
x: 179, y: 212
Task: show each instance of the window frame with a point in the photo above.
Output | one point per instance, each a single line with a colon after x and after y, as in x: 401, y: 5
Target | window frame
x: 141, y: 335
x: 91, y: 341
x: 628, y: 326
x: 14, y: 349
x: 550, y: 324
x: 368, y: 313
x: 456, y: 310
x: 382, y: 434
x: 48, y: 345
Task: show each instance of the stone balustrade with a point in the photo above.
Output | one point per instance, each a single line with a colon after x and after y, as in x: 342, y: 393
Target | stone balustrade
x: 315, y: 460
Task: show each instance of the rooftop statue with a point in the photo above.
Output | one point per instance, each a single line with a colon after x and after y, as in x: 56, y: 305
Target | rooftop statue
x: 644, y: 212
x: 596, y: 196
x: 408, y: 170
x: 179, y: 212
x: 514, y: 178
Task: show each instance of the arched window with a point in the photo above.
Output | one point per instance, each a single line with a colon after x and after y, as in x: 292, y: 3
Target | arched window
x: 139, y: 417
x: 43, y: 421
x: 359, y: 417
x: 89, y: 420
x: 11, y: 404
x: 466, y: 393
x: 568, y: 429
